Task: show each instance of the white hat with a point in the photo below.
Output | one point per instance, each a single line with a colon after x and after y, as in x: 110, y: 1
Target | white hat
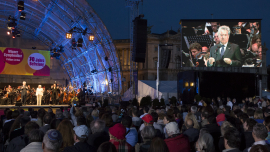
x: 81, y: 131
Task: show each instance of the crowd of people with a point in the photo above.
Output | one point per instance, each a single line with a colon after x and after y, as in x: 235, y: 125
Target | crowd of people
x: 219, y: 126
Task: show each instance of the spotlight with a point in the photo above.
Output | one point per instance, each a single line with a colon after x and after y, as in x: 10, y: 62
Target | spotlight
x: 85, y: 31
x: 11, y: 25
x: 79, y: 43
x: 94, y: 71
x: 110, y: 69
x: 18, y: 33
x: 74, y: 43
x: 8, y: 32
x: 9, y: 18
x: 21, y: 5
x: 61, y: 48
x: 13, y: 36
x: 69, y: 35
x: 22, y: 17
x: 91, y: 37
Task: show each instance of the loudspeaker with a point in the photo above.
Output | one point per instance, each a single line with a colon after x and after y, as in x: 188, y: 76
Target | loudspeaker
x: 139, y: 40
x: 18, y: 104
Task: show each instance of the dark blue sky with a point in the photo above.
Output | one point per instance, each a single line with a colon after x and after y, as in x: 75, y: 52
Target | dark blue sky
x: 166, y: 14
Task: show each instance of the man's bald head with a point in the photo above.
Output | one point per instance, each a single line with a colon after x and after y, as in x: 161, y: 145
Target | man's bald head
x: 255, y: 48
x: 205, y: 49
x: 189, y: 123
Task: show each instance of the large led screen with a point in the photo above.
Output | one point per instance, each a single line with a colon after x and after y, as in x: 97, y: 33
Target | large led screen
x: 15, y: 61
x: 221, y: 43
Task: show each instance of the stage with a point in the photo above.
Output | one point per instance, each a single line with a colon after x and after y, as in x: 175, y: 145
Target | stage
x: 33, y: 106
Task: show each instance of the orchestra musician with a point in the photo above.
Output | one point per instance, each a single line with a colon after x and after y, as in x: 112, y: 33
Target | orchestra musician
x: 39, y: 93
x: 225, y: 54
x: 24, y: 89
x: 196, y: 50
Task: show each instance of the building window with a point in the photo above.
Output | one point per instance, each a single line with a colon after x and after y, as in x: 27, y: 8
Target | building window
x: 177, y: 62
x: 156, y: 48
x: 155, y: 59
x: 178, y: 48
x: 155, y: 64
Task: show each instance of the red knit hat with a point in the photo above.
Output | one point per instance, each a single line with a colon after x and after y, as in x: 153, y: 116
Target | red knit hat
x: 220, y: 118
x: 148, y: 118
x: 118, y: 131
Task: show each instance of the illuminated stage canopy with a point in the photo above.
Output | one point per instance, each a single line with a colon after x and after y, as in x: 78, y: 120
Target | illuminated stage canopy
x: 49, y: 20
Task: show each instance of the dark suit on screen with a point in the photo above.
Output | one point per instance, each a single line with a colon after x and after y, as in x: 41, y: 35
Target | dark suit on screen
x: 232, y: 51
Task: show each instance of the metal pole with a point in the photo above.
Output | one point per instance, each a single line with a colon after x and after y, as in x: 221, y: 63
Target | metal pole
x: 157, y: 83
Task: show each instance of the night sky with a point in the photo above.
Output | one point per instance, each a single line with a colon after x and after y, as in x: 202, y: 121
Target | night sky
x: 166, y: 14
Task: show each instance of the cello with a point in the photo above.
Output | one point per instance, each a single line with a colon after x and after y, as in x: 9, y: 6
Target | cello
x: 19, y: 95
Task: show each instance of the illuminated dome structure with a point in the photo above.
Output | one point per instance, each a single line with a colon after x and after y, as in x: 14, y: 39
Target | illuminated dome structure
x: 62, y: 26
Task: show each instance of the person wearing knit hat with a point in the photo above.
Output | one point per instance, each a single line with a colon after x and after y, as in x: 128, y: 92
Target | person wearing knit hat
x: 80, y: 136
x: 220, y: 118
x: 52, y: 141
x: 117, y: 137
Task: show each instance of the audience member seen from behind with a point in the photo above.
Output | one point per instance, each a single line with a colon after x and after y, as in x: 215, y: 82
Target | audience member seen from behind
x: 191, y: 133
x: 247, y: 135
x: 20, y: 142
x: 35, y: 141
x: 259, y: 134
x: 232, y: 140
x: 176, y: 138
x: 148, y: 133
x: 267, y: 125
x: 259, y: 148
x: 17, y: 128
x: 132, y: 134
x: 99, y: 135
x: 66, y: 130
x: 46, y: 121
x: 80, y: 135
x: 117, y: 137
x: 205, y: 143
x: 107, y: 147
x: 52, y: 141
x: 158, y: 145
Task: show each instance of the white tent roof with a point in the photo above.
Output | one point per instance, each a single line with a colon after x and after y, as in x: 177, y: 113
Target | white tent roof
x: 164, y: 86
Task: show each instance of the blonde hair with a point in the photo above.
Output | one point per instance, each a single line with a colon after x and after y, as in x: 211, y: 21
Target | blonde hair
x: 117, y: 140
x: 224, y: 125
x: 193, y: 118
x: 95, y: 113
x: 258, y: 114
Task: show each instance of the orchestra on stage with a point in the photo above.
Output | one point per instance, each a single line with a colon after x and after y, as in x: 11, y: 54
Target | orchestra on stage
x: 56, y: 95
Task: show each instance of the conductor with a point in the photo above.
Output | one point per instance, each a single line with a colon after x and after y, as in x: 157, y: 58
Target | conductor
x: 24, y: 89
x: 54, y: 93
x: 225, y: 54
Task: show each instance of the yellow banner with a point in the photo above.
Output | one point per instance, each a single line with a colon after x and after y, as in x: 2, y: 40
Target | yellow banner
x: 15, y: 61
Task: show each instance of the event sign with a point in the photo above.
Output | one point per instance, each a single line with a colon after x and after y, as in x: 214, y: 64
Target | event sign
x: 15, y: 61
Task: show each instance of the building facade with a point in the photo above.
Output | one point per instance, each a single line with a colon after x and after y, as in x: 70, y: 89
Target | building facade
x: 170, y: 59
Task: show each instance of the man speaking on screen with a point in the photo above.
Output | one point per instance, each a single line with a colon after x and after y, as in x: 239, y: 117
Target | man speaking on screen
x: 225, y: 54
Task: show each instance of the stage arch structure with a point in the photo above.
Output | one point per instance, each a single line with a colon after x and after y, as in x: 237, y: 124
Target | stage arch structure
x: 50, y: 20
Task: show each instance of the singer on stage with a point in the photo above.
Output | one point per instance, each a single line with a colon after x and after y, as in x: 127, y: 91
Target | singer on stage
x: 24, y: 89
x: 225, y: 54
x: 39, y: 93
